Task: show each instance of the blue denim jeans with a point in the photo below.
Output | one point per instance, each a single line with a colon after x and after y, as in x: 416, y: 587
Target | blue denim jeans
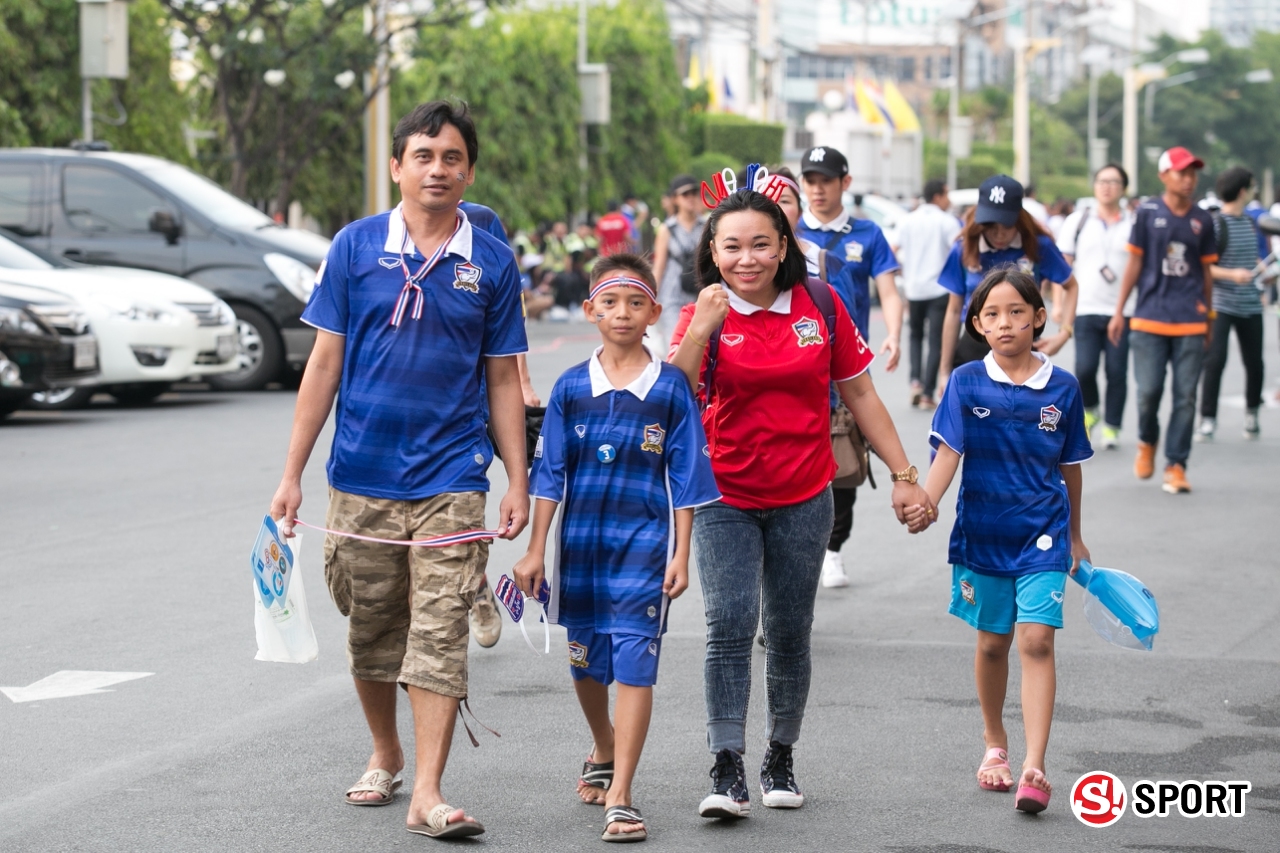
x: 759, y: 564
x: 1151, y: 353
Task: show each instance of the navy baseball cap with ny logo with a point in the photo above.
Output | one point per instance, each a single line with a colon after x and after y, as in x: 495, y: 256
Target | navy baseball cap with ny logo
x: 825, y: 160
x: 999, y: 201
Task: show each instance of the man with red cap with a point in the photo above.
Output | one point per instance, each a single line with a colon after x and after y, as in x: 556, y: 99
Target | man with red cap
x: 1170, y: 249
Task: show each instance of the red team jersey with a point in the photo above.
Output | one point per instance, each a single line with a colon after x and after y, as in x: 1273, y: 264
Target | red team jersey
x: 768, y: 423
x: 614, y: 233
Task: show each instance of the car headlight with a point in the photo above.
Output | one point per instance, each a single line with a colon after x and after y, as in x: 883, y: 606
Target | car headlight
x: 17, y: 320
x: 297, y: 277
x: 10, y: 373
x: 65, y: 319
x: 146, y: 313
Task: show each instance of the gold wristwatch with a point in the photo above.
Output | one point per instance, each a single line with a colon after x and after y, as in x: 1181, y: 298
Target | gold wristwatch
x: 911, y: 475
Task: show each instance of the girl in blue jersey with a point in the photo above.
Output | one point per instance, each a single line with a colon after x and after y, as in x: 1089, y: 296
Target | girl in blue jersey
x: 997, y: 233
x: 1019, y: 424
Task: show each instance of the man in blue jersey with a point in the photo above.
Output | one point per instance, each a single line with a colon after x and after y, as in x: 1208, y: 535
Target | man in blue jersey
x: 860, y: 246
x: 1171, y: 248
x: 413, y: 308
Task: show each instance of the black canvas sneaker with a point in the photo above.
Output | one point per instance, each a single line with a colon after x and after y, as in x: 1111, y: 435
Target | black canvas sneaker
x: 728, y: 797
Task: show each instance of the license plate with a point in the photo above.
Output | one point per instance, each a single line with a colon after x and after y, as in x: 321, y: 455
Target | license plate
x: 86, y: 353
x: 227, y: 347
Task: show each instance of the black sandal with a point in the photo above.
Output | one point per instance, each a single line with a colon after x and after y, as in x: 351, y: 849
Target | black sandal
x: 624, y: 814
x: 596, y: 775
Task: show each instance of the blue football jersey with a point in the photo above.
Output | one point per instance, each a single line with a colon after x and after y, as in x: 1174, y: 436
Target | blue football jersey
x: 619, y: 463
x: 410, y: 417
x: 1012, y: 514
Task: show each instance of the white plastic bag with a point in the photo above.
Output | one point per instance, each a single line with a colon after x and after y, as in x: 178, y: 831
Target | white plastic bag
x: 284, y: 633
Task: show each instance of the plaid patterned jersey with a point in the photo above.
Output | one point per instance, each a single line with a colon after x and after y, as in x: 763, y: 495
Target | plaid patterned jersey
x: 1012, y: 516
x: 620, y: 463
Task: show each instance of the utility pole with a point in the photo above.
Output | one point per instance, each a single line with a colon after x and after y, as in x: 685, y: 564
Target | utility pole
x: 377, y: 115
x: 104, y: 50
x: 1130, y: 141
x: 583, y: 161
x: 953, y: 111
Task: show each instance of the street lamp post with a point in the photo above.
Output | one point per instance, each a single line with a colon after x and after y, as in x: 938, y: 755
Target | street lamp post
x: 1137, y: 77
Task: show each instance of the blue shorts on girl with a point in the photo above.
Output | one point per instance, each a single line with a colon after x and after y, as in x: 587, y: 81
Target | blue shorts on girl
x: 619, y: 462
x: 1013, y: 515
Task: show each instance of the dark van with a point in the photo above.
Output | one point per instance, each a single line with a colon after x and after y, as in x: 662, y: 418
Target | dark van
x: 134, y: 210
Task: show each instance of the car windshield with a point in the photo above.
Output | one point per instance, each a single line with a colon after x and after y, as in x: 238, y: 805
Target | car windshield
x: 15, y: 257
x: 207, y: 197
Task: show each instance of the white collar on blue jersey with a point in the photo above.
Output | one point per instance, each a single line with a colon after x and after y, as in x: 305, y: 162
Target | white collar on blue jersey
x: 984, y: 246
x: 397, y: 239
x: 781, y: 305
x: 811, y: 222
x: 1038, y: 380
x: 640, y: 386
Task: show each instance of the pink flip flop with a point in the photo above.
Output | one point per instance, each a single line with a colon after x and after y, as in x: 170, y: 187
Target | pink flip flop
x: 994, y: 759
x: 1030, y: 799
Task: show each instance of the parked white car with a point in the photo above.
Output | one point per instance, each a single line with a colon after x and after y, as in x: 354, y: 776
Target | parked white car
x: 152, y: 329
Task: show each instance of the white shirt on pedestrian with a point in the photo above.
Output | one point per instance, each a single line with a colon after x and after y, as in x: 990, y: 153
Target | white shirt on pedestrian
x: 1095, y: 244
x: 925, y: 237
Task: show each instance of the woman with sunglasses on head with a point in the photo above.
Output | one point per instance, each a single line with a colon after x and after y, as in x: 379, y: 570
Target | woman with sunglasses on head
x: 999, y: 232
x: 673, y: 252
x: 763, y: 352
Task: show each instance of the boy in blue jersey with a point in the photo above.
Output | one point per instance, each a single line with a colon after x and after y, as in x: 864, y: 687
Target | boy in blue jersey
x: 1171, y: 249
x: 622, y: 448
x: 416, y: 312
x: 1019, y: 424
x: 862, y: 255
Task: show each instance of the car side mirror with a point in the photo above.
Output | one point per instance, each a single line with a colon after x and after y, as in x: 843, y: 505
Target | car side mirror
x: 164, y: 222
x: 1269, y: 225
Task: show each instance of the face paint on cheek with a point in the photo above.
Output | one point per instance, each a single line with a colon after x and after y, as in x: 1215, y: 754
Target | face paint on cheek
x: 1024, y: 328
x: 461, y: 177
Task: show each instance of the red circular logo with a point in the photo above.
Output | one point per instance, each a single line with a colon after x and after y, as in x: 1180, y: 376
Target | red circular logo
x: 1098, y: 799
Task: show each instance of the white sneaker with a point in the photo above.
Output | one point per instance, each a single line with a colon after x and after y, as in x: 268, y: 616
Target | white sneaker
x: 1251, y: 424
x: 1208, y: 426
x: 833, y: 571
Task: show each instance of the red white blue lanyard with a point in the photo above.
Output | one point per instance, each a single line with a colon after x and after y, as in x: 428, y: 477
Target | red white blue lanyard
x: 411, y: 282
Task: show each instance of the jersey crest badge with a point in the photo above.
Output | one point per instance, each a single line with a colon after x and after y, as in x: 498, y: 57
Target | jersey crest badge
x: 731, y: 340
x: 981, y: 411
x: 467, y: 277
x: 1195, y: 227
x: 807, y: 332
x: 966, y: 592
x: 853, y: 252
x: 581, y: 430
x: 1049, y: 417
x: 1026, y: 265
x: 578, y: 655
x: 389, y: 263
x: 653, y: 436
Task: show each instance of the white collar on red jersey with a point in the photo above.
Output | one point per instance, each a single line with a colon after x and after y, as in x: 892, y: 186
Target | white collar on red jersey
x: 398, y: 241
x: 640, y: 386
x: 1038, y: 380
x: 781, y: 305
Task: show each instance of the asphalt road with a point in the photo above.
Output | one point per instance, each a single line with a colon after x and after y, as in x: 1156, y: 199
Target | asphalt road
x: 125, y: 533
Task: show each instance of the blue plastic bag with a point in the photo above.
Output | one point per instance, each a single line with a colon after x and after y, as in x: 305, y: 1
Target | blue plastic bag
x: 1120, y: 608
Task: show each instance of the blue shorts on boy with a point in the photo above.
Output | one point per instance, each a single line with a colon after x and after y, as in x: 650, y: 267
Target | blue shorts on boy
x: 619, y: 463
x: 606, y: 658
x: 1013, y: 515
x: 996, y: 604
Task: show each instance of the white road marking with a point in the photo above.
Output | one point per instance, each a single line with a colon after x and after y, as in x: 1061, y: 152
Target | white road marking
x: 70, y: 682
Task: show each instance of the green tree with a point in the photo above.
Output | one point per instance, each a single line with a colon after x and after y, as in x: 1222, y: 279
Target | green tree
x: 40, y: 81
x: 516, y: 72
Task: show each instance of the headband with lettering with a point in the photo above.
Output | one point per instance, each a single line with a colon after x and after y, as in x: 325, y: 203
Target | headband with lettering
x: 758, y: 178
x: 623, y: 281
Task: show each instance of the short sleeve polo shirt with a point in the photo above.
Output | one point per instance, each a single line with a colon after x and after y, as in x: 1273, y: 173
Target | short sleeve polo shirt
x: 963, y: 282
x: 768, y: 419
x: 410, y: 418
x: 1174, y: 250
x: 864, y: 254
x: 1012, y: 515
x: 619, y: 462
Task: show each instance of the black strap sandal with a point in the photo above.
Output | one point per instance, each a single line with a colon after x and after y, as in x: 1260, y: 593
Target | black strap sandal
x: 624, y: 814
x: 597, y: 775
